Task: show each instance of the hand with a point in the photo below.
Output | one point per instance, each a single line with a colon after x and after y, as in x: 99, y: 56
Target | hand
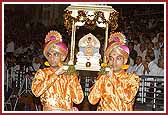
x: 110, y: 73
x: 60, y: 71
x: 75, y: 109
x: 145, y: 64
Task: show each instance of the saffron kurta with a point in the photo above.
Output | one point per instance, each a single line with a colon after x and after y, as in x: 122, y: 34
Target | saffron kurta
x: 57, y: 92
x: 115, y: 93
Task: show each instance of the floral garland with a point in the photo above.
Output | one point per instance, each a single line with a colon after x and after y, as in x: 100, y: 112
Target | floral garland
x: 70, y: 68
x: 103, y: 69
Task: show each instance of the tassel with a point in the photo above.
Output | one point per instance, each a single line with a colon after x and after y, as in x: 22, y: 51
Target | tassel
x: 104, y: 65
x: 46, y: 63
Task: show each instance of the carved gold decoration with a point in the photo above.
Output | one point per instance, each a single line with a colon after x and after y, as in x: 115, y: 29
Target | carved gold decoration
x: 55, y: 34
x: 89, y: 16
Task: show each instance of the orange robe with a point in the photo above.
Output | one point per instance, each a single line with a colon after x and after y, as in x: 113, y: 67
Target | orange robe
x: 115, y: 93
x: 57, y: 92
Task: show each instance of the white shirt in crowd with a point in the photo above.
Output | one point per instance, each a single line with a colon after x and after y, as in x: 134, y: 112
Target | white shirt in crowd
x: 160, y: 72
x: 138, y: 69
x: 131, y: 63
x: 18, y: 51
x: 136, y: 47
x: 157, y: 55
x: 10, y: 47
x: 36, y: 66
x: 155, y: 40
x: 130, y: 69
x: 142, y: 54
x: 153, y: 68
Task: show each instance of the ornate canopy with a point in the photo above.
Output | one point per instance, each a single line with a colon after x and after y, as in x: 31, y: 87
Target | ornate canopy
x: 89, y: 16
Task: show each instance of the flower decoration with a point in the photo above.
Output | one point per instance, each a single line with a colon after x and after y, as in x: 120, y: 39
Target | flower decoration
x: 103, y: 69
x: 117, y: 37
x: 53, y: 35
x: 104, y: 65
x: 71, y: 70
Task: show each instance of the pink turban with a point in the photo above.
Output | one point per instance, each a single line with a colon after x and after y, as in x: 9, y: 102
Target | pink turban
x: 117, y: 40
x: 54, y: 40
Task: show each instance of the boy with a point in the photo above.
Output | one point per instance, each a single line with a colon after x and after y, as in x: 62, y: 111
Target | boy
x: 115, y: 90
x: 57, y: 89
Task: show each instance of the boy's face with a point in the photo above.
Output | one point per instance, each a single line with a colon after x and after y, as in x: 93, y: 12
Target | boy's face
x: 53, y: 57
x: 116, y: 61
x: 161, y: 63
x: 138, y: 60
x: 147, y: 58
x: 162, y: 51
x: 142, y: 47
